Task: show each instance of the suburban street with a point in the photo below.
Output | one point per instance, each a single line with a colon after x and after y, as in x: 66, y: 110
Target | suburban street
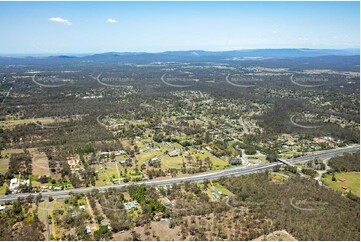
x: 236, y: 171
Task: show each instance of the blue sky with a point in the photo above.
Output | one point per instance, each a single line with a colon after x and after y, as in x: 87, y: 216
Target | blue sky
x: 93, y: 27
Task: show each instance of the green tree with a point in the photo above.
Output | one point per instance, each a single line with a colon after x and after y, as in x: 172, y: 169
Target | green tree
x: 17, y: 207
x: 334, y: 178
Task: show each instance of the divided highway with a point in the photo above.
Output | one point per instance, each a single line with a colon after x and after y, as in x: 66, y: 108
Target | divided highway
x: 236, y: 171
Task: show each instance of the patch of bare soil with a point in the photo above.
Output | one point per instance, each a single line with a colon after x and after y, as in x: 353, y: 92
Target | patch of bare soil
x: 40, y: 165
x: 280, y: 235
x: 156, y: 230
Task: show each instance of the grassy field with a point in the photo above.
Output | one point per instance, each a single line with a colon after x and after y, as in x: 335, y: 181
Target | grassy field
x: 35, y: 183
x: 145, y: 156
x: 3, y: 189
x: 352, y: 182
x: 10, y: 124
x: 218, y: 187
x: 42, y: 214
x: 8, y: 152
x: 57, y: 204
x: 215, y: 187
x: 217, y: 163
x: 277, y: 177
x: 4, y: 164
x: 40, y: 165
x: 106, y: 173
x: 176, y: 162
x: 172, y: 162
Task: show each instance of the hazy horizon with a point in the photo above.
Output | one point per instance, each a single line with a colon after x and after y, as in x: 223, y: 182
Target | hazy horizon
x: 156, y: 52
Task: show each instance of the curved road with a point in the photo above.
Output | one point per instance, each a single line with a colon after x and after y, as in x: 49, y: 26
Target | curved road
x: 236, y: 171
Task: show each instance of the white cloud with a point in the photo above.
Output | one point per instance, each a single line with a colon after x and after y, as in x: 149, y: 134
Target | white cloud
x: 60, y: 20
x: 302, y: 38
x: 112, y: 21
x: 274, y: 32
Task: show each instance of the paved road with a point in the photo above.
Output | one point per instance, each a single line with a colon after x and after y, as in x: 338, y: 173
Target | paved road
x: 236, y: 171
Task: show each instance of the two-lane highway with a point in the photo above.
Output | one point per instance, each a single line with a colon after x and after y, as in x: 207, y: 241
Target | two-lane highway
x: 236, y: 171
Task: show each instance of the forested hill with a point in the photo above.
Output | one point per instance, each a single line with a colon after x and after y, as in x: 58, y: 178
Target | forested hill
x: 346, y: 60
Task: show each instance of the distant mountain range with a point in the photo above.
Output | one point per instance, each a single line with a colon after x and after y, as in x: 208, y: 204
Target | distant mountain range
x: 194, y: 54
x: 344, y: 57
x: 256, y: 53
x: 270, y: 53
